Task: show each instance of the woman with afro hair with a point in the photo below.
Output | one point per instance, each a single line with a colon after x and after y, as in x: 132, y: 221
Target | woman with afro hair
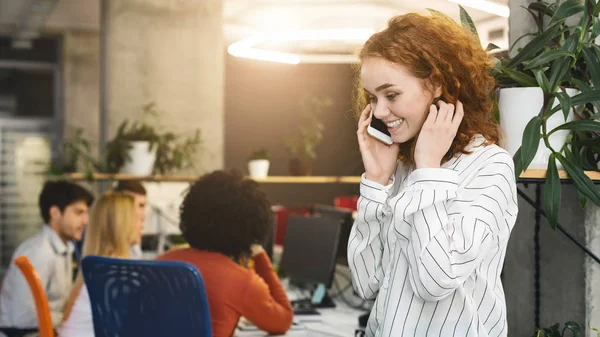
x: 224, y: 218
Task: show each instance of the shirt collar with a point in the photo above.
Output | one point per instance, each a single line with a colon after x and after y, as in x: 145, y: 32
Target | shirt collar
x: 57, y: 243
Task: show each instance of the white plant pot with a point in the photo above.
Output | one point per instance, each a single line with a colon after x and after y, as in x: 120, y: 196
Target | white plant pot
x: 258, y: 168
x: 517, y: 107
x: 142, y: 159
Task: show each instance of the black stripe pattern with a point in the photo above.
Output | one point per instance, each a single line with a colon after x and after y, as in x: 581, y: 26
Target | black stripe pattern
x: 430, y: 246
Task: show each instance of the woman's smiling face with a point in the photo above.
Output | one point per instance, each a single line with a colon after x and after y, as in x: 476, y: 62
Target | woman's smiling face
x: 398, y: 98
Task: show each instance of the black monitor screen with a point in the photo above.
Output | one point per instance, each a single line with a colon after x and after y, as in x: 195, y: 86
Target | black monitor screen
x: 310, y: 249
x: 344, y: 216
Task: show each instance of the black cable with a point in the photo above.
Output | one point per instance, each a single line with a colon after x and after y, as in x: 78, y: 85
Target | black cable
x: 536, y: 240
x: 341, y: 294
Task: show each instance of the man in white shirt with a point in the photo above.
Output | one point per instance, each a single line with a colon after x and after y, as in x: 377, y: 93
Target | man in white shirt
x: 64, y: 208
x: 138, y: 190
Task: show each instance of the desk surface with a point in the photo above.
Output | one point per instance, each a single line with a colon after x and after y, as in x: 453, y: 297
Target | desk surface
x: 341, y: 321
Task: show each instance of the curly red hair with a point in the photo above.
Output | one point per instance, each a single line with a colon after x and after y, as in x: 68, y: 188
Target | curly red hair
x: 437, y: 49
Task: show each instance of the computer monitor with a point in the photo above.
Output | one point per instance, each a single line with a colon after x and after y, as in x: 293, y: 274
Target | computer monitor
x: 344, y: 216
x: 310, y: 250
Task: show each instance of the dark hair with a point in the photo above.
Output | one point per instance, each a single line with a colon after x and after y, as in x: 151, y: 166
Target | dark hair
x: 225, y: 213
x: 439, y: 50
x: 132, y: 186
x: 61, y: 193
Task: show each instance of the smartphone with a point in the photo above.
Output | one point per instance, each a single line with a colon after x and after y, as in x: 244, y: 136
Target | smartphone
x: 378, y: 130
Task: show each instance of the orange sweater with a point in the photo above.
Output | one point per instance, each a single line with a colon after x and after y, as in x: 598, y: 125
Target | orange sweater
x: 235, y: 291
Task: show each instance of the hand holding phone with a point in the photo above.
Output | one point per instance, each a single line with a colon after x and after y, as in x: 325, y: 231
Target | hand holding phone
x: 380, y: 159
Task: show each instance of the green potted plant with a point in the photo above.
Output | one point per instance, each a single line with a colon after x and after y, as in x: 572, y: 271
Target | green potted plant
x: 258, y: 164
x: 302, y: 145
x: 548, y: 87
x: 139, y: 148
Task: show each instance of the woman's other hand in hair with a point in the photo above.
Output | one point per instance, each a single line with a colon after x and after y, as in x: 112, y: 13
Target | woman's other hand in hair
x: 437, y: 134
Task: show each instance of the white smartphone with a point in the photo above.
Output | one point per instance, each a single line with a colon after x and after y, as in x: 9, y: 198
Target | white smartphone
x: 378, y: 130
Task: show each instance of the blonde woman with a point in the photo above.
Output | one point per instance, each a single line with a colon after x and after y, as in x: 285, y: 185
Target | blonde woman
x: 113, y: 228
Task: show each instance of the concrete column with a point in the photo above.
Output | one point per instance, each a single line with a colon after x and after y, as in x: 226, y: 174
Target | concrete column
x: 169, y: 52
x: 81, y: 78
x: 520, y: 22
x: 592, y: 269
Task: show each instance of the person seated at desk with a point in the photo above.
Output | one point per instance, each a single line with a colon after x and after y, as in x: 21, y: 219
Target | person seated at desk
x: 138, y: 191
x: 114, y: 227
x: 223, y: 217
x: 64, y: 208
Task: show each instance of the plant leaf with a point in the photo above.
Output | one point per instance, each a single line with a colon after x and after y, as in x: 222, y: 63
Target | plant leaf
x: 542, y: 7
x: 519, y: 77
x: 581, y: 181
x: 537, y: 18
x: 552, y: 192
x: 541, y: 79
x: 531, y: 141
x: 574, y: 327
x: 565, y: 10
x: 491, y: 47
x: 467, y: 22
x: 535, y: 45
x: 433, y: 11
x: 595, y: 28
x: 591, y: 58
x: 560, y: 67
x: 548, y: 56
x: 565, y: 103
x: 584, y: 87
x: 580, y: 125
x: 585, y: 97
x: 519, y: 39
x: 596, y: 9
x: 518, y: 163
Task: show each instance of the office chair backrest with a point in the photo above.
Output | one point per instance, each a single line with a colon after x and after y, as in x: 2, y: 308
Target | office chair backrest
x: 42, y: 307
x: 146, y: 298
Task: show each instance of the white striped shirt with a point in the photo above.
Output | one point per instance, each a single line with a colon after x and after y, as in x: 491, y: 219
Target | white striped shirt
x: 430, y: 246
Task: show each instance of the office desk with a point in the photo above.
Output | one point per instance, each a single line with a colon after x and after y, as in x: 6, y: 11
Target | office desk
x: 341, y: 321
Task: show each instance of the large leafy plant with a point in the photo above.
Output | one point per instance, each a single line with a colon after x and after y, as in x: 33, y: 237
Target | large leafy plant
x: 560, y: 55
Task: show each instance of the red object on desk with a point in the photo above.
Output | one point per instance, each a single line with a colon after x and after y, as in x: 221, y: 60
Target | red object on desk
x: 282, y: 214
x: 346, y: 201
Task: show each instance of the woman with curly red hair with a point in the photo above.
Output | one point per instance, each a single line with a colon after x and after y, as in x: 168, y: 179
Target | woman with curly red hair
x: 438, y: 205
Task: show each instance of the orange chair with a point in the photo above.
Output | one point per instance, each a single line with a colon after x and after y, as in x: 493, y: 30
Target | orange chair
x: 45, y: 327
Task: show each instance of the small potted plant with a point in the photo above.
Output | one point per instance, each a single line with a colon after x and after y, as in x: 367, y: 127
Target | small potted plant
x: 302, y: 146
x: 258, y: 164
x: 140, y: 149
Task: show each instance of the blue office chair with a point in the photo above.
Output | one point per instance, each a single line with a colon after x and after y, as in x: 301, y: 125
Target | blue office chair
x: 146, y: 298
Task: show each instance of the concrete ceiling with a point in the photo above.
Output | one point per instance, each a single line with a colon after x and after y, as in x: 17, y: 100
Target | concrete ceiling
x: 243, y: 18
